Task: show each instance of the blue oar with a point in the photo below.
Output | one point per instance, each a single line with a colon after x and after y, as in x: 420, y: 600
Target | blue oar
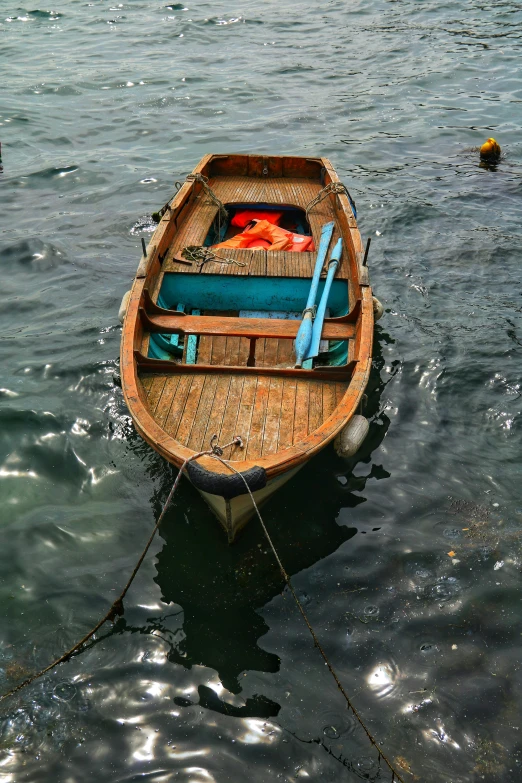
x: 321, y: 310
x: 304, y: 335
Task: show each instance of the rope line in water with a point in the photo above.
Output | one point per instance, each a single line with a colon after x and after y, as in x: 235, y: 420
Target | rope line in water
x: 382, y: 755
x: 216, y: 452
x: 117, y: 607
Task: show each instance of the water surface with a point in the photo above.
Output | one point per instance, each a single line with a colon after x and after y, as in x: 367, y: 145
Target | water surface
x: 210, y: 675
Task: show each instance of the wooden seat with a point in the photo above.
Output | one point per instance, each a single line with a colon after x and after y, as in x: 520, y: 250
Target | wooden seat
x: 279, y: 328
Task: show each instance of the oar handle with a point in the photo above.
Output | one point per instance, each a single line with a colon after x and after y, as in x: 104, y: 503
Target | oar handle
x: 317, y: 329
x: 326, y: 235
x: 304, y: 335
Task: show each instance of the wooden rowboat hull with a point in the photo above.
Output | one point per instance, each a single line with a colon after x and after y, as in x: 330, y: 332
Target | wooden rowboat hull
x: 209, y: 349
x: 236, y: 512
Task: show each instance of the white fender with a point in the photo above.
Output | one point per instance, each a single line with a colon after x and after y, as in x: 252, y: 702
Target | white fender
x: 378, y: 309
x: 123, y: 307
x: 350, y: 439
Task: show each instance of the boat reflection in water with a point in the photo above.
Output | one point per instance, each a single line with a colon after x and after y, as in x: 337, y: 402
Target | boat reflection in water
x: 221, y: 587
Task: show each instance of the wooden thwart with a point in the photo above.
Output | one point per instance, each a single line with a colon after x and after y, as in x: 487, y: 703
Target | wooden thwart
x: 343, y: 373
x: 239, y: 327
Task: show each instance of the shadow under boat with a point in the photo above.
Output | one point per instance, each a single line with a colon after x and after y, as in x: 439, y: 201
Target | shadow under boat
x: 220, y: 587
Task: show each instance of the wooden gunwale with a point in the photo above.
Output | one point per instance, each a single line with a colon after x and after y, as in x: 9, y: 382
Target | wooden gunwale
x: 133, y: 333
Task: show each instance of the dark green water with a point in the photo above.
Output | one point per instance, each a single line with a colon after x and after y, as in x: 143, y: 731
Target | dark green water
x: 210, y: 675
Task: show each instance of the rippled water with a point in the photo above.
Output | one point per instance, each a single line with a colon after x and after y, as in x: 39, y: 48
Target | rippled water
x: 210, y: 675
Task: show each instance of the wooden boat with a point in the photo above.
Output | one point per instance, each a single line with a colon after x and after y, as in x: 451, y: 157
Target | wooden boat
x: 208, y: 348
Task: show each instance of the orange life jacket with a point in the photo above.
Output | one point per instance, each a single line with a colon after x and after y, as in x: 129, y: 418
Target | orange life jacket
x: 265, y: 235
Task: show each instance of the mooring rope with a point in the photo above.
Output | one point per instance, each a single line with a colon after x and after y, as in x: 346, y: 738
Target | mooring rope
x: 117, y: 607
x: 332, y: 187
x: 382, y: 755
x: 222, y: 213
x: 216, y: 452
x: 201, y: 255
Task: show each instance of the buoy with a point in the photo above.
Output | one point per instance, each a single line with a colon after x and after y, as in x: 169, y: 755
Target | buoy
x: 123, y: 306
x: 378, y: 309
x: 490, y: 150
x: 350, y: 439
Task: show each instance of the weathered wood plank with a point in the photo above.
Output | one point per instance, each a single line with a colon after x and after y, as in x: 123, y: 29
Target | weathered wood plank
x: 329, y: 403
x: 146, y: 382
x: 301, y: 411
x: 286, y: 425
x: 177, y: 407
x: 270, y: 353
x: 199, y: 426
x: 217, y: 410
x: 315, y: 406
x: 240, y: 327
x: 255, y: 437
x: 340, y: 389
x: 219, y: 345
x: 155, y: 392
x: 228, y: 425
x: 186, y: 422
x: 232, y: 350
x: 167, y: 396
x: 244, y: 418
x: 273, y: 417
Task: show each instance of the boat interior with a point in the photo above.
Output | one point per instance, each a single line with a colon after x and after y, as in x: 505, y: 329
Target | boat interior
x: 216, y: 352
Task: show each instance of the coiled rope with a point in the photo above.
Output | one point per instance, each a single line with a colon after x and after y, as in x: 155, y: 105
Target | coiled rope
x: 333, y: 187
x: 216, y: 452
x: 200, y: 255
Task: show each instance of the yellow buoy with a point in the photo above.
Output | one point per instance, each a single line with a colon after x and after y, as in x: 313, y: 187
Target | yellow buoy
x: 490, y: 150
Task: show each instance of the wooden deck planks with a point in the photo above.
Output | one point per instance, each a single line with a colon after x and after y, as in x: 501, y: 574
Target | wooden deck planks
x: 186, y: 422
x: 204, y: 350
x: 200, y: 420
x: 301, y: 411
x: 315, y: 405
x: 232, y: 351
x: 177, y: 407
x: 155, y: 391
x: 246, y: 407
x: 233, y: 404
x: 257, y: 425
x: 219, y: 345
x: 340, y: 389
x: 270, y: 414
x: 165, y: 401
x: 217, y: 411
x: 273, y: 417
x: 329, y: 403
x: 286, y: 424
x: 285, y: 353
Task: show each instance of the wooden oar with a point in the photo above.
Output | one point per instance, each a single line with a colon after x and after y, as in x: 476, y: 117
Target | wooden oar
x: 321, y: 310
x: 304, y: 335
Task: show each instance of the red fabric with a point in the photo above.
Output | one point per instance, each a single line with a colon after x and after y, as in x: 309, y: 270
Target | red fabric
x: 246, y: 216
